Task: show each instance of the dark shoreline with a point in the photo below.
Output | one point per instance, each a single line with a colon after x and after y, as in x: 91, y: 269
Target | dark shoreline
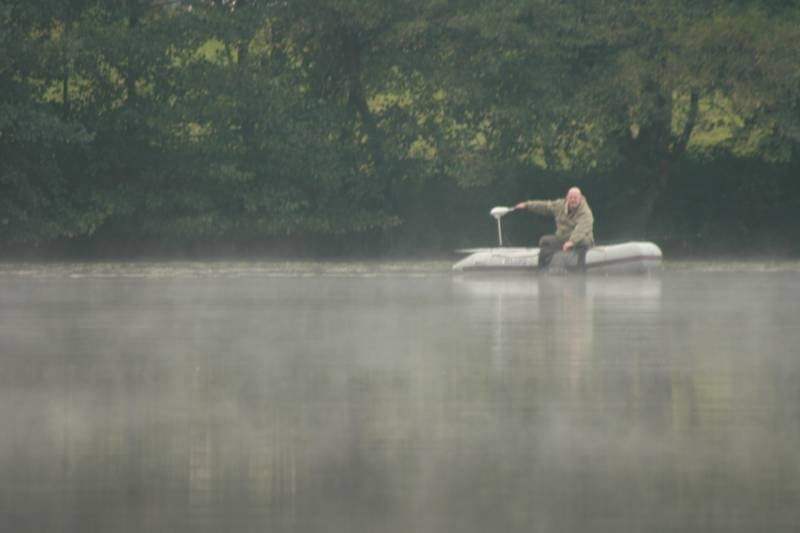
x: 310, y: 268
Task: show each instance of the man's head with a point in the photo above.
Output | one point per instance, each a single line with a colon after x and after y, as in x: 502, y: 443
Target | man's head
x: 574, y: 198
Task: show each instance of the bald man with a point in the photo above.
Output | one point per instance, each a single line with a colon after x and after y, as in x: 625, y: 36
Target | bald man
x: 574, y: 225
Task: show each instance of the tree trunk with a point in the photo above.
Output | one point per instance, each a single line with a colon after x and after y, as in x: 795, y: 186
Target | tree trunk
x: 357, y: 103
x: 65, y: 91
x: 65, y: 72
x: 130, y: 74
x: 657, y: 154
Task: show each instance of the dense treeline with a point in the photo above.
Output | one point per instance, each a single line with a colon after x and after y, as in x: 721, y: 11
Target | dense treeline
x: 373, y: 126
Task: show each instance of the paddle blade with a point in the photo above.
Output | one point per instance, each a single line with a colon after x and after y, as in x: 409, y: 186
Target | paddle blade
x: 498, y: 212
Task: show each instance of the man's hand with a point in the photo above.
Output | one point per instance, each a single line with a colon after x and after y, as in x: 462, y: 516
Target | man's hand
x: 521, y: 205
x: 567, y: 246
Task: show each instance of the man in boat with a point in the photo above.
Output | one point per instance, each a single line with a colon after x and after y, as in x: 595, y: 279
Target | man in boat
x: 574, y: 225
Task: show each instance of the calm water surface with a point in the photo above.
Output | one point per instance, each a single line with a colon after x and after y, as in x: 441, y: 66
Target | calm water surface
x: 399, y: 402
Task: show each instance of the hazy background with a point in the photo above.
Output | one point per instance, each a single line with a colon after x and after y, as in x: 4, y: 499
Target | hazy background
x: 222, y: 128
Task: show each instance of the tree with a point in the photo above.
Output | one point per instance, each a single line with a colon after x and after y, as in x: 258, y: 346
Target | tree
x: 37, y: 203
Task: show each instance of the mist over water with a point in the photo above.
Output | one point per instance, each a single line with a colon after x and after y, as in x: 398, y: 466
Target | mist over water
x: 397, y: 402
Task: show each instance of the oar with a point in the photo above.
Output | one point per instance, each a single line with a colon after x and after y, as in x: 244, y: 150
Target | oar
x: 498, y: 213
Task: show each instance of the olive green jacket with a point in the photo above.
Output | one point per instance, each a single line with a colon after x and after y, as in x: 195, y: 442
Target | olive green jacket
x: 576, y: 226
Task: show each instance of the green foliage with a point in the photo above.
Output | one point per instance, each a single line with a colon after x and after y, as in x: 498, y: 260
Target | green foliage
x: 37, y: 202
x: 372, y: 121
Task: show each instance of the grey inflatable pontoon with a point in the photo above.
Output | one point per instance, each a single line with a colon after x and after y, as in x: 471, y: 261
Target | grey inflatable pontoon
x: 624, y: 258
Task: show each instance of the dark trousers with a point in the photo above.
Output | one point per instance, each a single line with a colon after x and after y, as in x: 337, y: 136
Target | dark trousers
x: 549, y: 245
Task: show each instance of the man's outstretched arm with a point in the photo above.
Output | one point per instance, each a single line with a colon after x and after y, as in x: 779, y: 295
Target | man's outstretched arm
x: 541, y: 207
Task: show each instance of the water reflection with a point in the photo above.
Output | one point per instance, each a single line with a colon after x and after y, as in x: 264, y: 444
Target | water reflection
x: 400, y: 404
x: 646, y: 398
x: 628, y: 317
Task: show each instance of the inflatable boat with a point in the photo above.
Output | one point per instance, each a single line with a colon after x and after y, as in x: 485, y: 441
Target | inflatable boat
x: 623, y: 258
